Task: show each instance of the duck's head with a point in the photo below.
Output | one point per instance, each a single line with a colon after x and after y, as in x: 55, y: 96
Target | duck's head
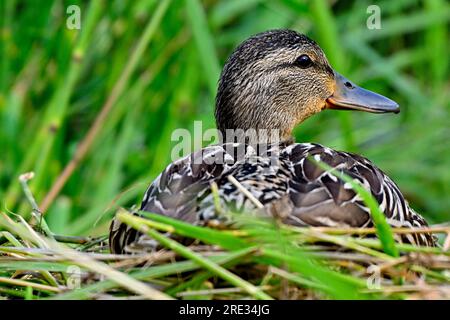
x: 277, y: 79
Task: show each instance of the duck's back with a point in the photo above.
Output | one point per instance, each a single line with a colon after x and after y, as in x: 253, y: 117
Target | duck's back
x: 284, y: 179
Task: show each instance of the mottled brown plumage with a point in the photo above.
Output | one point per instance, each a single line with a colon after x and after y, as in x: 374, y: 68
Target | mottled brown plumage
x: 275, y: 80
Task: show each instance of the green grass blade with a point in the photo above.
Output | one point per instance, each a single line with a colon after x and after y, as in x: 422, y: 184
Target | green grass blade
x: 189, y: 254
x: 204, y: 42
x: 384, y: 231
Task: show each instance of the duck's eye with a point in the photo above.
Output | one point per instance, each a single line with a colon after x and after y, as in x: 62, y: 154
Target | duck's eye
x: 303, y: 61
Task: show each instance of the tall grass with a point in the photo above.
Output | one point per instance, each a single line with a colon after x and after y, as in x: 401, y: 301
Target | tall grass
x: 54, y: 81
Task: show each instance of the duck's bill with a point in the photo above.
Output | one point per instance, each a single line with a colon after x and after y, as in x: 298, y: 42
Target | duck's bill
x: 348, y: 96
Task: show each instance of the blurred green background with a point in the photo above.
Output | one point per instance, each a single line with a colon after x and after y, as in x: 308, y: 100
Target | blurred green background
x: 155, y: 64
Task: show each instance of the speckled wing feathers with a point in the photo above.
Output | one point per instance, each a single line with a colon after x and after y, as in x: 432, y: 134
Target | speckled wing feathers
x: 292, y: 187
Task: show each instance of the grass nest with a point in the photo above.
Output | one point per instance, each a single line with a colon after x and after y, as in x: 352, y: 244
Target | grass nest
x: 256, y: 259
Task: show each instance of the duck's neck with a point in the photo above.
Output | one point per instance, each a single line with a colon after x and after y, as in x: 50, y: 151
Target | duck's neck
x: 256, y: 136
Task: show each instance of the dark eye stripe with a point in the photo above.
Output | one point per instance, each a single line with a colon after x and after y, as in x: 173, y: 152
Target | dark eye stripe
x: 329, y: 70
x: 289, y: 65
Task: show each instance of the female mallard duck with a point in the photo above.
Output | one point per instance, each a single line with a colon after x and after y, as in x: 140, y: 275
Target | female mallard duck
x: 274, y: 81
